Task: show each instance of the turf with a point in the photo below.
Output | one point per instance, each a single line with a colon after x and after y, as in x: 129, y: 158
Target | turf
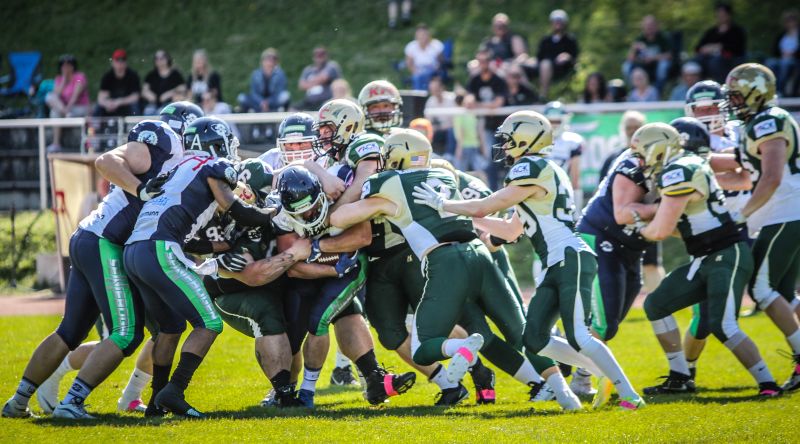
x: 229, y: 386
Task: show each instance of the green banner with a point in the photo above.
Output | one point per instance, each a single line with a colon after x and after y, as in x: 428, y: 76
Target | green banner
x: 603, y: 136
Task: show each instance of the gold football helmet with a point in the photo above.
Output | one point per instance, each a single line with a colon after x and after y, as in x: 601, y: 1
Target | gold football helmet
x: 748, y: 89
x: 523, y: 132
x: 387, y: 116
x: 656, y: 144
x: 405, y: 149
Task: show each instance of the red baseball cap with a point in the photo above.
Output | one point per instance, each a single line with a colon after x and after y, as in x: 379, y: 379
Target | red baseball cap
x: 119, y: 54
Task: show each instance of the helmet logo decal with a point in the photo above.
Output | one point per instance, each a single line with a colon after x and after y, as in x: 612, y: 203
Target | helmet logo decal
x: 759, y: 83
x: 196, y: 143
x: 190, y: 118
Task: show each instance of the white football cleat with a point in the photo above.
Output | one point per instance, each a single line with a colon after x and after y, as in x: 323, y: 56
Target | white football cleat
x: 581, y: 384
x: 568, y: 401
x: 14, y: 409
x: 542, y: 392
x: 71, y: 411
x: 47, y: 394
x: 137, y: 405
x: 464, y: 358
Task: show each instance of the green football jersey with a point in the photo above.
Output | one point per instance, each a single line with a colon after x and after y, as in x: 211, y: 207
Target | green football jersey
x: 257, y: 174
x: 550, y: 222
x: 422, y: 226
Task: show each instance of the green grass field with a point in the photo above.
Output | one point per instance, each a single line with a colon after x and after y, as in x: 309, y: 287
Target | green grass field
x: 229, y: 386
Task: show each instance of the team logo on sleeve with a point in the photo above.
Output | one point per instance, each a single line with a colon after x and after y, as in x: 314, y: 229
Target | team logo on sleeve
x: 765, y: 128
x: 520, y: 170
x: 368, y: 148
x: 365, y: 189
x: 672, y: 177
x: 231, y: 176
x: 147, y: 138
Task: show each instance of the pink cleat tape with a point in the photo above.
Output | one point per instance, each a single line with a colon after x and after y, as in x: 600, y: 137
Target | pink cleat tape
x: 487, y: 394
x: 387, y: 385
x: 466, y: 353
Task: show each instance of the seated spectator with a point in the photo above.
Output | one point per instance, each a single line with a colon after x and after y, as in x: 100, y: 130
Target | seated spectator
x: 690, y: 74
x: 268, y: 86
x: 316, y: 80
x: 470, y: 155
x: 487, y: 91
x: 161, y: 84
x: 405, y: 5
x: 595, y: 89
x: 556, y: 55
x: 203, y: 78
x: 617, y: 91
x: 722, y: 46
x: 642, y: 91
x: 786, y: 51
x: 119, y: 89
x: 213, y: 107
x: 519, y: 93
x: 505, y: 45
x: 651, y: 51
x: 340, y: 88
x: 70, y: 95
x: 438, y: 98
x: 423, y: 55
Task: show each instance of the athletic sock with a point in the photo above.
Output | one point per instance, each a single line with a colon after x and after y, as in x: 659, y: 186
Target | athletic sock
x: 677, y: 362
x: 342, y: 361
x: 562, y: 392
x: 25, y: 390
x: 280, y: 382
x: 451, y: 346
x: 691, y: 364
x: 761, y: 372
x: 477, y: 366
x: 794, y: 341
x: 605, y: 361
x: 78, y: 392
x: 310, y: 377
x: 136, y: 385
x: 527, y: 374
x: 159, y: 381
x: 558, y: 349
x: 439, y: 377
x: 185, y: 369
x: 62, y: 369
x: 367, y: 363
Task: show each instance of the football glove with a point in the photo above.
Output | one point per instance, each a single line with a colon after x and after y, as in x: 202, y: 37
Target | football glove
x: 426, y: 195
x: 152, y: 188
x: 233, y: 262
x: 315, y: 251
x: 346, y: 263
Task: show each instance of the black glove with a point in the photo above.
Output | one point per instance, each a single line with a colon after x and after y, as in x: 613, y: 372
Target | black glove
x: 152, y: 188
x: 234, y: 262
x: 346, y: 263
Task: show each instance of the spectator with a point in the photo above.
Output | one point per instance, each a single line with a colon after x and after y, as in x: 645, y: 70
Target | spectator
x: 70, y: 95
x: 786, y: 51
x: 722, y: 46
x: 316, y: 79
x: 595, y: 89
x: 471, y: 154
x: 405, y: 6
x: 519, y: 93
x: 212, y: 106
x: 162, y: 84
x: 652, y: 51
x: 424, y: 126
x: 340, y: 88
x: 422, y: 57
x: 203, y: 78
x: 438, y: 98
x: 268, y: 86
x: 557, y: 52
x: 630, y: 122
x: 690, y: 74
x: 487, y: 91
x: 505, y: 45
x: 119, y: 89
x: 642, y: 90
x: 617, y: 91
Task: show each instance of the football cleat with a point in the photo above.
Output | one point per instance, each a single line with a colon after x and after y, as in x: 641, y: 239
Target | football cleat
x: 693, y: 373
x: 603, y: 392
x: 769, y: 389
x: 14, y: 409
x: 581, y: 383
x: 172, y: 399
x: 793, y: 383
x: 71, y: 411
x: 343, y: 376
x: 452, y: 396
x: 631, y: 403
x: 464, y: 358
x: 382, y: 385
x: 47, y: 394
x: 569, y: 401
x: 484, y: 380
x: 154, y: 411
x: 270, y: 400
x: 674, y: 383
x: 541, y: 392
x: 305, y: 398
x: 137, y: 406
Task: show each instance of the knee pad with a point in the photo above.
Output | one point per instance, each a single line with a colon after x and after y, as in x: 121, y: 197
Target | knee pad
x: 663, y: 325
x: 795, y: 303
x: 761, y: 291
x: 734, y: 340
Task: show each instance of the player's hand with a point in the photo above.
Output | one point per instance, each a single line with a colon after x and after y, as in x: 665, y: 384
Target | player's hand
x: 300, y: 249
x: 314, y: 251
x: 486, y: 238
x: 426, y: 195
x: 738, y: 217
x: 152, y: 188
x: 234, y: 262
x: 346, y: 263
x: 332, y: 185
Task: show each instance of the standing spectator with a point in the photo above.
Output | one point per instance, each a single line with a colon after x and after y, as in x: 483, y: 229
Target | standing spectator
x: 557, y: 52
x: 595, y: 89
x: 438, y: 98
x: 70, y: 95
x: 316, y: 79
x: 340, y: 88
x: 203, y: 78
x: 690, y: 74
x: 487, y: 91
x: 471, y: 154
x: 268, y: 86
x: 423, y: 55
x: 519, y: 93
x: 405, y: 6
x: 722, y: 46
x: 119, y: 89
x: 652, y: 51
x: 161, y: 85
x: 786, y: 51
x: 642, y: 90
x: 505, y: 45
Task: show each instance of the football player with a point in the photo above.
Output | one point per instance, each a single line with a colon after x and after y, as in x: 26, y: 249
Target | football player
x: 382, y: 106
x: 460, y: 278
x: 541, y: 194
x: 770, y: 153
x: 691, y: 202
x: 98, y: 285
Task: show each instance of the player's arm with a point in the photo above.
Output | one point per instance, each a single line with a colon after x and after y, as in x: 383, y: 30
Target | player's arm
x: 497, y: 201
x: 773, y: 158
x: 303, y: 270
x: 353, y: 238
x: 362, y: 210
x: 722, y: 162
x: 121, y: 165
x: 247, y: 215
x: 666, y: 218
x: 331, y: 185
x: 364, y: 169
x: 266, y: 270
x: 507, y: 229
x: 735, y: 180
x: 627, y: 199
